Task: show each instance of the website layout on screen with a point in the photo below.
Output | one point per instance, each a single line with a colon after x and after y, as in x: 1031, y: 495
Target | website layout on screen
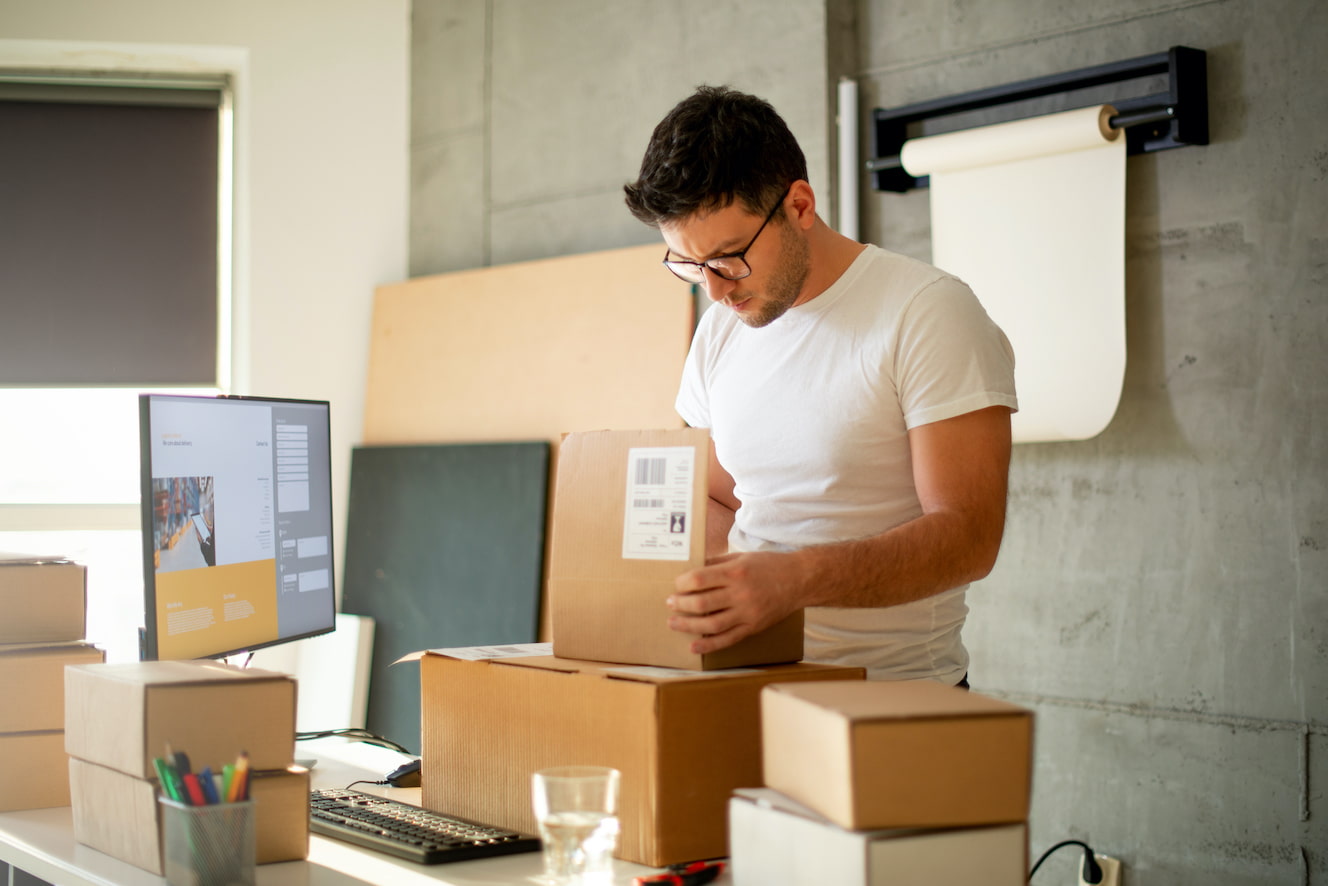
x: 241, y: 523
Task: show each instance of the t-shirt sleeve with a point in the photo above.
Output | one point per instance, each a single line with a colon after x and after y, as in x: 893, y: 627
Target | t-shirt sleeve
x: 951, y: 357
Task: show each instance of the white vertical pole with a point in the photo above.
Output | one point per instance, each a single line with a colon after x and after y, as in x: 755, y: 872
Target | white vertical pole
x: 849, y: 172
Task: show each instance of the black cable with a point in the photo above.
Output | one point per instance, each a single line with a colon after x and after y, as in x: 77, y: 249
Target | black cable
x: 1092, y: 870
x: 356, y: 734
x: 364, y: 781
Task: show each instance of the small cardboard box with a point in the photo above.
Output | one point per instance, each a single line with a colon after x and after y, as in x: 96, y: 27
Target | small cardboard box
x: 42, y: 600
x: 119, y: 814
x: 898, y: 754
x: 683, y: 740
x: 33, y: 771
x: 774, y: 839
x: 33, y: 676
x: 124, y: 715
x: 629, y: 516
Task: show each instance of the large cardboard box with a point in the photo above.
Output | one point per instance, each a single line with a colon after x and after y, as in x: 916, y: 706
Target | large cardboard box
x: 120, y: 815
x: 33, y: 770
x: 42, y: 600
x: 124, y: 715
x: 774, y: 839
x: 683, y: 740
x: 33, y: 677
x: 629, y: 516
x: 898, y: 754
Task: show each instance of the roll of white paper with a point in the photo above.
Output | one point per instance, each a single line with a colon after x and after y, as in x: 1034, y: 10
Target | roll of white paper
x: 1031, y: 214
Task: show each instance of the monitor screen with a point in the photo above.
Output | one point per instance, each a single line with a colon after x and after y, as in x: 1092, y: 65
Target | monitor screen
x: 237, y: 523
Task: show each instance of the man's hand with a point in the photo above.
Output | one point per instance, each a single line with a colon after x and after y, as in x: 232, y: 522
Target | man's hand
x: 734, y: 596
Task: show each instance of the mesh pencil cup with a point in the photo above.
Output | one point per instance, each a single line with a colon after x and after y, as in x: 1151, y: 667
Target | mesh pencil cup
x: 209, y: 845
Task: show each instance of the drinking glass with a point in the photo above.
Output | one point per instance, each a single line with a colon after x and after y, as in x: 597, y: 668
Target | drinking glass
x: 577, y: 811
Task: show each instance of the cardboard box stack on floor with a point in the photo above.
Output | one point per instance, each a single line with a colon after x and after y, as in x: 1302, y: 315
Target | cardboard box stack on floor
x: 42, y: 626
x: 120, y: 717
x: 889, y: 782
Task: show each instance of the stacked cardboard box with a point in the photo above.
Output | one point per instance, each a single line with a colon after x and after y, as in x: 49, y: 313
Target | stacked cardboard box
x: 629, y: 516
x: 896, y: 781
x: 42, y: 625
x: 120, y: 717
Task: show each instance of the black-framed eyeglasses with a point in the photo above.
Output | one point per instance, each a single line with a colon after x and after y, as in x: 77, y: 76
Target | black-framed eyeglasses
x: 731, y: 265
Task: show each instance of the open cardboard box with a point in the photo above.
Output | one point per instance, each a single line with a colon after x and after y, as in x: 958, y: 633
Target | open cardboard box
x: 683, y: 740
x: 629, y: 516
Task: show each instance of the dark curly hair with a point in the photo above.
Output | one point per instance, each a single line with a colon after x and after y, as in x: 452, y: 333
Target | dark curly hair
x: 716, y: 146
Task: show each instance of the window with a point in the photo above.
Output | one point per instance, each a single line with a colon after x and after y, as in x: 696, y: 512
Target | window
x: 114, y: 278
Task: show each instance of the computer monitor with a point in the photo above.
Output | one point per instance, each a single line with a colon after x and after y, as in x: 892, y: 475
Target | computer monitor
x: 237, y: 523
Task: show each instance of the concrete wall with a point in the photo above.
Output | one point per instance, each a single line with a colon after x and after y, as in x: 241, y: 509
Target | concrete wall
x: 1161, y: 598
x: 528, y: 118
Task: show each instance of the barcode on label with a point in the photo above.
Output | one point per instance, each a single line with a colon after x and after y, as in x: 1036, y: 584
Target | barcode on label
x: 650, y: 471
x: 647, y: 502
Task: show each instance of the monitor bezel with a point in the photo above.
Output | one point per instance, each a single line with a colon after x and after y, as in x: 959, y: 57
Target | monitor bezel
x: 148, y: 645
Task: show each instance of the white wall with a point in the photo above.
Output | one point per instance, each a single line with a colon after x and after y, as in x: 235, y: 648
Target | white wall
x: 321, y: 137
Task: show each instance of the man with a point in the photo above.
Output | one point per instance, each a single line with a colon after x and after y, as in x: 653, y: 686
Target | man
x: 858, y: 401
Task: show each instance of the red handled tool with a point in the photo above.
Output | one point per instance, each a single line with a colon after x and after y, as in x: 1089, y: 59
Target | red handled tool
x: 694, y: 874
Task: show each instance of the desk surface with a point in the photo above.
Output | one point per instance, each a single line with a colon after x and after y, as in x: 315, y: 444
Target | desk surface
x: 41, y: 842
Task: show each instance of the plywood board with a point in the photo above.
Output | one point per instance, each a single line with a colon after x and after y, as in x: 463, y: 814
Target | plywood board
x: 528, y: 351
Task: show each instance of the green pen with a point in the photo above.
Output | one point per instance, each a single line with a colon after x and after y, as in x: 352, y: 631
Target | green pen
x: 164, y: 774
x: 227, y: 773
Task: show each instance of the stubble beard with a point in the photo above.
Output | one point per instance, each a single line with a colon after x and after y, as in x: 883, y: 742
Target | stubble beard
x: 786, y: 281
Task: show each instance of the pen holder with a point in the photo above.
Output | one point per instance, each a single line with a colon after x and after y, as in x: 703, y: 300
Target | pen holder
x: 209, y: 845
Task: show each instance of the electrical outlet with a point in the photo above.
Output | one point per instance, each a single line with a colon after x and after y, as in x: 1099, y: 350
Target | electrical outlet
x: 1111, y: 871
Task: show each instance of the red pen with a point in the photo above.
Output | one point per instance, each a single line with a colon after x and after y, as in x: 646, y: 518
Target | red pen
x: 694, y: 874
x: 195, y: 790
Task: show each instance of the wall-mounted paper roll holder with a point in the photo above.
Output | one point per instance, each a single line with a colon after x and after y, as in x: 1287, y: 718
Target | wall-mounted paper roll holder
x: 1171, y: 119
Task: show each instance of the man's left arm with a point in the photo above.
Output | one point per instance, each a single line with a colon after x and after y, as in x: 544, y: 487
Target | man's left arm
x: 961, y: 471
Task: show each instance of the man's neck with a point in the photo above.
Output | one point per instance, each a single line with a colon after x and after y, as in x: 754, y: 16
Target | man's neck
x: 831, y: 255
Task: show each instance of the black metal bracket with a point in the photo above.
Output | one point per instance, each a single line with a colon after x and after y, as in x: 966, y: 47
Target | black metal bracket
x: 1171, y: 119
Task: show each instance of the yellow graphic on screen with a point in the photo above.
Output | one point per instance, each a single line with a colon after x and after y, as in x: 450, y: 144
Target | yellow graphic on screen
x: 218, y: 607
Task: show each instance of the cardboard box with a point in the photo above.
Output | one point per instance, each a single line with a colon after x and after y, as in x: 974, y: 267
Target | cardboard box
x: 629, y: 516
x: 123, y: 715
x: 898, y: 754
x: 119, y: 814
x: 773, y: 839
x: 33, y: 770
x: 683, y: 741
x: 34, y: 680
x: 42, y: 600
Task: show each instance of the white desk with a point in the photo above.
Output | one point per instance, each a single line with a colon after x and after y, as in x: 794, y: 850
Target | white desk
x: 41, y: 842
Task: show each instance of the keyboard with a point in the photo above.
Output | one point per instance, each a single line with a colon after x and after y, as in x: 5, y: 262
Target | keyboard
x: 407, y: 831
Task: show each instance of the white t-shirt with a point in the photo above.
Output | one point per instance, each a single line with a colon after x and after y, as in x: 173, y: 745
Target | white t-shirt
x: 810, y: 415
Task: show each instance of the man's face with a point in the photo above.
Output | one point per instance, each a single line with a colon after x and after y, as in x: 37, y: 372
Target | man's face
x: 779, y: 258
